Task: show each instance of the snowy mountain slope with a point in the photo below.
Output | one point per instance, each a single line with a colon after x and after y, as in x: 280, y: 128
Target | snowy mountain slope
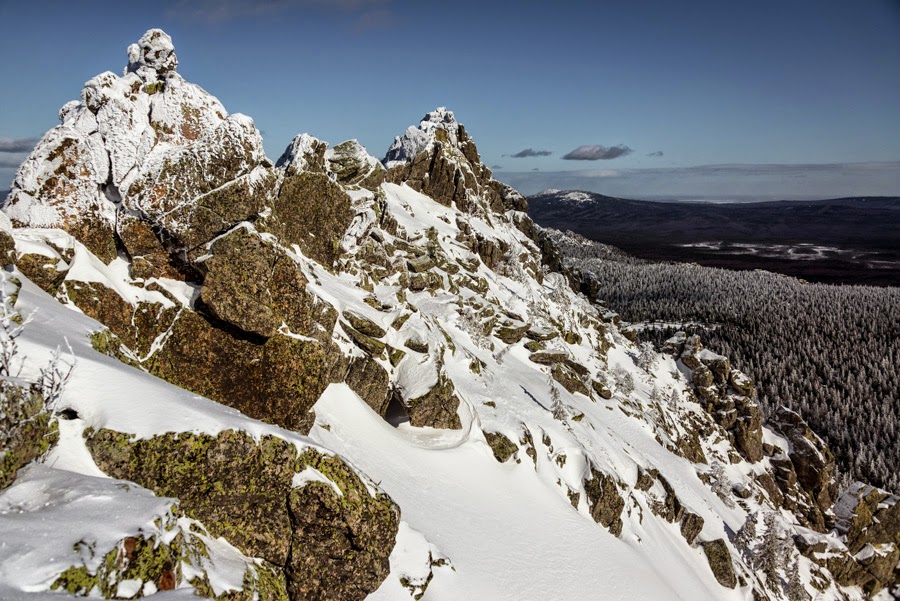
x: 404, y: 318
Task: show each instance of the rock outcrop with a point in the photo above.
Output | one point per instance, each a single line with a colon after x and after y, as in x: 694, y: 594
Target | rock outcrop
x: 308, y: 515
x: 726, y: 393
x: 439, y: 159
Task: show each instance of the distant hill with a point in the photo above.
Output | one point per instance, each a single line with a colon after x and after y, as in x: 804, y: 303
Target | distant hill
x: 841, y: 240
x: 873, y: 222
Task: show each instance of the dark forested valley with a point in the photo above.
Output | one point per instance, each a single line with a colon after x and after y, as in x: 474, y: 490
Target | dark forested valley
x: 830, y: 352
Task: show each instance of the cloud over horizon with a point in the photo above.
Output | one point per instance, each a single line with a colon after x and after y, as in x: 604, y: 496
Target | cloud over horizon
x: 597, y: 153
x: 530, y: 152
x: 657, y: 153
x: 726, y: 182
x: 8, y: 144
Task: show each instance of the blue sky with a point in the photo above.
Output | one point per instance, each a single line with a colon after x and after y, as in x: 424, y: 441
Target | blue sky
x: 654, y: 92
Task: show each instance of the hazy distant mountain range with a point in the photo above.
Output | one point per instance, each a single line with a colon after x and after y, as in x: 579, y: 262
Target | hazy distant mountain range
x: 847, y: 240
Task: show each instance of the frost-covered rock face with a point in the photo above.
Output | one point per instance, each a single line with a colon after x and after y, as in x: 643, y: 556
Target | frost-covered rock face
x: 146, y: 144
x: 153, y: 51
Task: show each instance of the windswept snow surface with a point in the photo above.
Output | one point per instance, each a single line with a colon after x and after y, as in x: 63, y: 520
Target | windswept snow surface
x: 509, y: 535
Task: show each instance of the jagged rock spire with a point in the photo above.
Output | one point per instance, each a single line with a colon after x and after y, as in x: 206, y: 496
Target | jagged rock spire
x: 147, y: 145
x: 438, y: 158
x: 153, y: 52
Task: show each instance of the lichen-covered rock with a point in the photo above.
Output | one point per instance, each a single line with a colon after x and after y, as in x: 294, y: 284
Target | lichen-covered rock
x: 58, y: 185
x: 743, y: 384
x: 511, y: 334
x: 304, y: 153
x: 254, y: 286
x: 748, y: 430
x: 671, y: 509
x: 277, y: 381
x: 719, y: 559
x: 370, y: 381
x: 7, y: 249
x: 312, y: 212
x: 869, y: 520
x: 352, y: 165
x: 147, y: 145
x: 42, y: 270
x: 691, y: 525
x: 364, y: 324
x: 601, y: 389
x: 502, y: 447
x: 548, y: 357
x: 234, y: 485
x: 329, y: 536
x: 134, y: 558
x: 183, y: 189
x: 439, y: 159
x: 149, y: 258
x: 604, y: 501
x: 342, y: 538
x: 218, y: 210
x: 437, y: 408
x: 137, y: 326
x: 570, y: 379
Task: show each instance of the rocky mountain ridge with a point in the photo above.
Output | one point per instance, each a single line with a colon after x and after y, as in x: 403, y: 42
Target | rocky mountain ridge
x: 330, y: 289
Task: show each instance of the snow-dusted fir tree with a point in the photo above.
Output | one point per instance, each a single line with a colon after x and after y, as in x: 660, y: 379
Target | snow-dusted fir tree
x: 769, y: 553
x: 623, y: 379
x: 721, y: 484
x: 646, y: 358
x: 560, y: 413
x: 794, y: 588
x: 746, y: 536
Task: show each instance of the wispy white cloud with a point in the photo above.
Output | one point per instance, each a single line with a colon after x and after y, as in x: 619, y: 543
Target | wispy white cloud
x: 530, y: 152
x: 597, y: 153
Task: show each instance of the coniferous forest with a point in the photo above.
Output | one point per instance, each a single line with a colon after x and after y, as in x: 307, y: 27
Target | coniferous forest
x: 830, y: 352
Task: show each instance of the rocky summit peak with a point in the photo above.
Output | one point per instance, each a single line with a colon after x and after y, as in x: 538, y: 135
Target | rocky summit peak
x: 417, y: 139
x: 440, y: 159
x: 153, y: 52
